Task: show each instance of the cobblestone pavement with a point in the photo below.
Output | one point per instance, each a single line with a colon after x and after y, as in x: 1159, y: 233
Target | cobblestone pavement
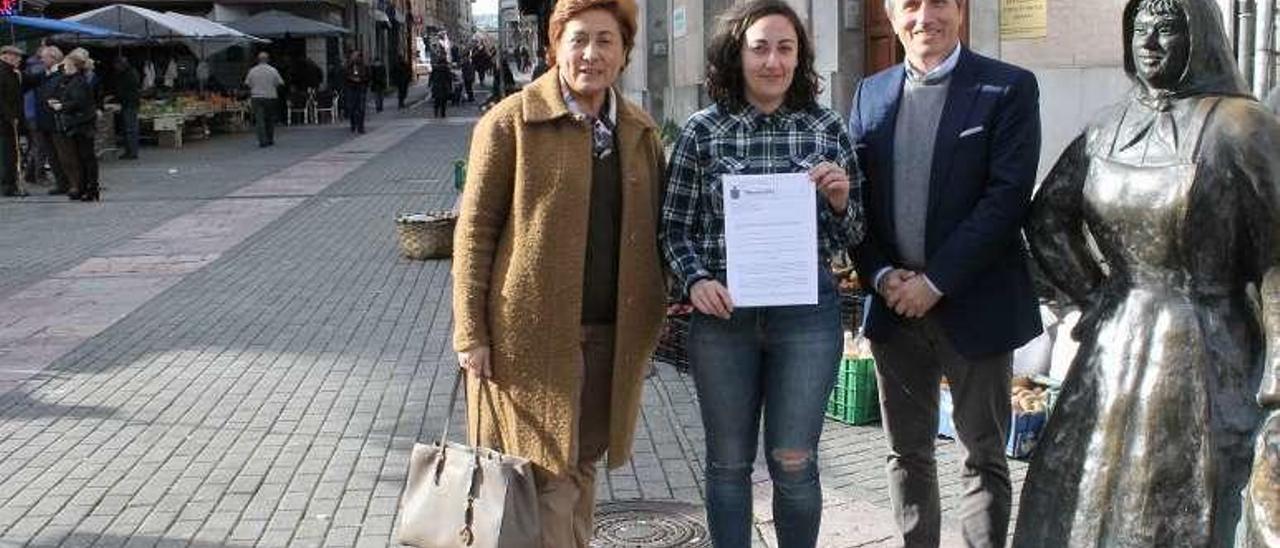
x: 261, y: 381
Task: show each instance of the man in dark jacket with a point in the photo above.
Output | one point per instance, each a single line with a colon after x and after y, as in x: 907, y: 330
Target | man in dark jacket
x: 10, y: 117
x: 45, y: 84
x: 128, y: 86
x: 468, y: 77
x: 401, y: 73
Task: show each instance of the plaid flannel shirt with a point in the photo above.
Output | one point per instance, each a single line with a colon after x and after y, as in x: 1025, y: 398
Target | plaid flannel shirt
x: 714, y: 143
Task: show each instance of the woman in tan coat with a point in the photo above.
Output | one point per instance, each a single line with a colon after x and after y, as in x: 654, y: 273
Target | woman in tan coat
x: 558, y: 290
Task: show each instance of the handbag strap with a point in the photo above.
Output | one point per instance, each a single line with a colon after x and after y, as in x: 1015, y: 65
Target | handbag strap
x: 453, y: 402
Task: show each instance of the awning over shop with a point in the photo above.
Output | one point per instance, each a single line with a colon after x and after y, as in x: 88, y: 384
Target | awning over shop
x: 21, y: 27
x: 278, y: 24
x: 202, y: 36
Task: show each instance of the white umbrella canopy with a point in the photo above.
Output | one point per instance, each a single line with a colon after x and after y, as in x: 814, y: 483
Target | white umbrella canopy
x: 212, y: 37
x: 203, y: 36
x: 280, y: 24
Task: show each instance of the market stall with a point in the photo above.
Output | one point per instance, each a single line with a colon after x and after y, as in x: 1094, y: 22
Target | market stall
x: 173, y: 120
x: 174, y: 113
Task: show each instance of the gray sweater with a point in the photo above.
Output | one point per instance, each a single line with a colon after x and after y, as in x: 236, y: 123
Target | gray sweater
x: 919, y: 114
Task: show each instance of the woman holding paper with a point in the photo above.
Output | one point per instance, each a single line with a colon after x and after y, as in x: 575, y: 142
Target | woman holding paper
x: 779, y: 359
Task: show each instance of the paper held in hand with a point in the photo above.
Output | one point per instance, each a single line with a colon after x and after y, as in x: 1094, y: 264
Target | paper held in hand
x: 771, y: 239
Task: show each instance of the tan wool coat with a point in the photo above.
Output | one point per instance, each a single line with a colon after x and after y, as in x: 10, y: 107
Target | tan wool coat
x: 519, y: 255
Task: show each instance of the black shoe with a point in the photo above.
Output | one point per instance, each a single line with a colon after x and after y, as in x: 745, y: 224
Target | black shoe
x: 264, y: 145
x: 129, y: 157
x: 73, y: 196
x: 57, y: 191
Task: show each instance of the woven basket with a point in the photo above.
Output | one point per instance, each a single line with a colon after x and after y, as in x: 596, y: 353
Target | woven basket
x: 426, y: 235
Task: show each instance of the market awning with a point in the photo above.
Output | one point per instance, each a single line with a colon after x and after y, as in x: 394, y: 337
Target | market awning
x: 278, y: 24
x: 21, y: 27
x: 203, y: 36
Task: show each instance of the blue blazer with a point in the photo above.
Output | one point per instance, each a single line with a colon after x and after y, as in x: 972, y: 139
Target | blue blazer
x: 984, y: 169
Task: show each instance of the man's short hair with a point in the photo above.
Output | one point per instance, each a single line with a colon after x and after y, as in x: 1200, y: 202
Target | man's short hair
x: 263, y: 56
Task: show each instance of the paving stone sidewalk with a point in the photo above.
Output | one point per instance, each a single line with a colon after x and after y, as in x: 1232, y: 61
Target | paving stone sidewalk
x: 271, y: 396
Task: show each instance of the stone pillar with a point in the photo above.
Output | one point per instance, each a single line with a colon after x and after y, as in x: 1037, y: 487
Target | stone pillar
x: 984, y: 27
x: 634, y: 81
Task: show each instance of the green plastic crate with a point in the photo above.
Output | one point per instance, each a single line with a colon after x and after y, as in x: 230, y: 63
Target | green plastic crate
x: 855, y: 399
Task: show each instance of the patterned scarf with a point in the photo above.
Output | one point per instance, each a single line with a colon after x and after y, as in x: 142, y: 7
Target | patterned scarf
x: 601, y: 126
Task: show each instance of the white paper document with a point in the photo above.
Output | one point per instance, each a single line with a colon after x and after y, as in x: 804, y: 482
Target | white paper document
x: 771, y: 239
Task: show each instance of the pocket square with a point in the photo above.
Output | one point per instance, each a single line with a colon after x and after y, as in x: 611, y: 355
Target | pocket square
x: 971, y: 131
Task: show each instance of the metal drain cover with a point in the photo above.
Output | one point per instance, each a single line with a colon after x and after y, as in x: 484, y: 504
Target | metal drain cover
x: 650, y: 524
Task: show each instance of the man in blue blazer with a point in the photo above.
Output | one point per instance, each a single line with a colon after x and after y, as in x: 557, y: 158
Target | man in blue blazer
x: 949, y: 142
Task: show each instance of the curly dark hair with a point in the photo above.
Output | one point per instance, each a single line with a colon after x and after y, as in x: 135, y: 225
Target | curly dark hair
x: 726, y: 84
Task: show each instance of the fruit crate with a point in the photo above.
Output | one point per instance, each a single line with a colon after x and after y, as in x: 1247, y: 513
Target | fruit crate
x: 855, y: 399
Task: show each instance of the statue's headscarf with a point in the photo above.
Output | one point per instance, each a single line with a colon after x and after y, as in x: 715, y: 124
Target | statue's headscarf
x: 1211, y: 67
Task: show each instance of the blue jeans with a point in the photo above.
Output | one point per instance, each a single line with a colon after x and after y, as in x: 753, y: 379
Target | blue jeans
x: 781, y: 360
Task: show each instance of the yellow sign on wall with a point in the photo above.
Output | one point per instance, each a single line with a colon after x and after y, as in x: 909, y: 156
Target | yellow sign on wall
x: 1023, y: 19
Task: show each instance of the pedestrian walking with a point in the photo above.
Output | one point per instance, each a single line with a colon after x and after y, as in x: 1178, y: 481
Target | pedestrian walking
x: 441, y: 81
x: 128, y: 92
x: 468, y: 77
x: 378, y: 82
x: 480, y: 60
x: 75, y: 113
x: 45, y: 84
x: 264, y: 82
x: 950, y: 141
x: 775, y: 361
x: 401, y: 75
x: 10, y: 120
x: 355, y: 89
x: 540, y: 65
x: 558, y: 296
x: 522, y: 58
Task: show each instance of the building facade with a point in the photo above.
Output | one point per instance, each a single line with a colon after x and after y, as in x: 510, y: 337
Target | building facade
x: 1073, y: 46
x: 451, y: 16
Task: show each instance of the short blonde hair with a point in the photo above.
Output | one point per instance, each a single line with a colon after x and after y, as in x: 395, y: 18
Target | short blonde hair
x: 78, y: 60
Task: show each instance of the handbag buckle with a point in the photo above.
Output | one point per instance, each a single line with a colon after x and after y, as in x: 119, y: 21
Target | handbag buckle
x: 468, y: 537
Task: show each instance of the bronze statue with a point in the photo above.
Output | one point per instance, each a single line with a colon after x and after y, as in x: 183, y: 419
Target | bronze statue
x: 1162, y: 221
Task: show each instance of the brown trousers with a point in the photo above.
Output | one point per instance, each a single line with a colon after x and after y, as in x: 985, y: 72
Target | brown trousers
x: 567, y: 503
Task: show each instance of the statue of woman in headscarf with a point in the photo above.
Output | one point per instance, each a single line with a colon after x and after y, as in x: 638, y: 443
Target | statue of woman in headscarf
x: 1162, y: 221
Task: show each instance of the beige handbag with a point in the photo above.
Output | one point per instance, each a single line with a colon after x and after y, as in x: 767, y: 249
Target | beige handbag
x: 468, y: 496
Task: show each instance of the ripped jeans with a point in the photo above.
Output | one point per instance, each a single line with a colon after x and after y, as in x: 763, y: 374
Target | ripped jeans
x: 781, y: 360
